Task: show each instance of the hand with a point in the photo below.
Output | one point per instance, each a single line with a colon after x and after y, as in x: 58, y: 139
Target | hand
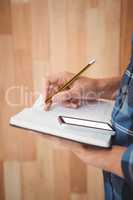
x: 82, y: 89
x: 105, y: 159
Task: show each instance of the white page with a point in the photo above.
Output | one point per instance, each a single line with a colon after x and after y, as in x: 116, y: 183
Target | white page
x: 37, y: 119
x: 98, y: 111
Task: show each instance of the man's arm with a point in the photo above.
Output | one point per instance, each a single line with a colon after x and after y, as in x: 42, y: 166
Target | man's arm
x: 108, y: 87
x: 118, y: 160
x: 84, y: 88
x: 127, y: 165
x: 106, y: 159
x: 109, y: 160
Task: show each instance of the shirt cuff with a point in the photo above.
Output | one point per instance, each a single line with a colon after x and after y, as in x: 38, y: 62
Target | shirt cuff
x: 127, y: 165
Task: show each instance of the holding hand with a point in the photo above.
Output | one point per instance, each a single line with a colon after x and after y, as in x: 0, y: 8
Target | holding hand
x: 82, y: 89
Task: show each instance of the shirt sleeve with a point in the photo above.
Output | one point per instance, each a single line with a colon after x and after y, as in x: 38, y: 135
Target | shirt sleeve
x: 127, y: 165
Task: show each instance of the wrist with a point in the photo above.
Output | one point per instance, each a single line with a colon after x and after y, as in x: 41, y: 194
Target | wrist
x: 96, y: 85
x: 99, y: 86
x: 115, y: 159
x: 107, y: 87
x: 102, y: 84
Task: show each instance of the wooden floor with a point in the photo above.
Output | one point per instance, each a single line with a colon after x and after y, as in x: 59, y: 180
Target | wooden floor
x: 38, y: 37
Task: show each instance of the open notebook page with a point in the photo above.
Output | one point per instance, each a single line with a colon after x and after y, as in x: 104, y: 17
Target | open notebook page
x: 37, y: 119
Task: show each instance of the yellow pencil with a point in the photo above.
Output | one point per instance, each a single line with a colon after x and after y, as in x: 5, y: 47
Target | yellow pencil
x: 71, y: 80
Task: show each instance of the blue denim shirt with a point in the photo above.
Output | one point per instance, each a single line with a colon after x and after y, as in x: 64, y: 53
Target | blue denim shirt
x: 117, y: 188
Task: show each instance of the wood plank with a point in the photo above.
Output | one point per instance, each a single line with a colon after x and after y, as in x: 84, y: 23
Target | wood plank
x: 78, y: 175
x: 45, y: 156
x: 11, y: 143
x: 21, y: 25
x: 126, y: 31
x: 99, y: 191
x: 22, y: 49
x: 2, y: 189
x: 33, y: 183
x: 103, y: 37
x: 5, y: 17
x: 77, y: 34
x: 62, y: 173
x: 40, y: 42
x: 76, y: 196
x: 58, y: 35
x: 12, y: 181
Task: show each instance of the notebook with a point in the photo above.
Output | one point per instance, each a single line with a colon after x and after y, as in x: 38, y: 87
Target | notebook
x: 36, y: 119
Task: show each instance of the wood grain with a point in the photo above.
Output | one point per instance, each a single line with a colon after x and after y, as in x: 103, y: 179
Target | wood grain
x: 126, y: 32
x: 37, y: 38
x: 5, y: 17
x: 2, y: 191
x: 12, y: 180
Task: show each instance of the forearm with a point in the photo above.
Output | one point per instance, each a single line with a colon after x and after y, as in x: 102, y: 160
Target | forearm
x: 114, y: 160
x: 108, y: 87
x: 105, y: 159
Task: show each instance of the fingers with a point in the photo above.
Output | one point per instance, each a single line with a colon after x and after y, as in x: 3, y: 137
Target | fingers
x: 51, y: 86
x: 71, y: 104
x: 73, y: 98
x: 47, y: 105
x: 69, y: 98
x: 91, y: 96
